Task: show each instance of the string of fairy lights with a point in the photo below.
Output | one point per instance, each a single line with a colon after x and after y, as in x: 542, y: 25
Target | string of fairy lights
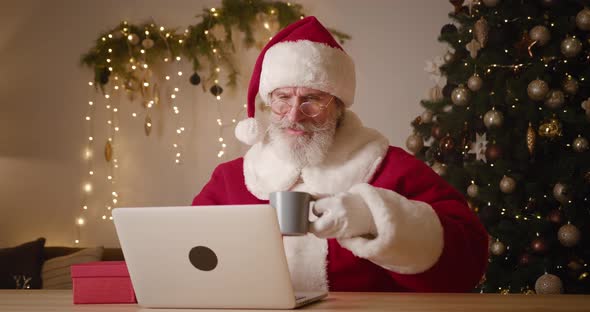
x: 150, y: 85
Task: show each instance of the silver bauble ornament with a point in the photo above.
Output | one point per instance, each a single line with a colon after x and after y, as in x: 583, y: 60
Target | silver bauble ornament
x: 568, y: 235
x: 537, y: 90
x: 473, y: 190
x: 133, y: 38
x: 427, y: 116
x: 491, y: 3
x: 571, y: 47
x: 555, y: 99
x: 474, y: 83
x: 414, y: 143
x: 507, y: 185
x: 147, y: 43
x: 440, y: 169
x: 493, y: 119
x: 583, y: 19
x: 540, y: 34
x: 561, y: 193
x: 497, y: 248
x: 580, y: 144
x: 460, y: 96
x: 449, y: 57
x: 570, y: 85
x: 548, y: 284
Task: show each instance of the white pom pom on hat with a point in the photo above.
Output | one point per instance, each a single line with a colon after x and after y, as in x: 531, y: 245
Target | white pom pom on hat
x: 303, y: 54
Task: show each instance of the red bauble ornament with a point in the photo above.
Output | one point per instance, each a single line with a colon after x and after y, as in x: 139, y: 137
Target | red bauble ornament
x: 555, y: 216
x: 539, y: 245
x: 524, y: 259
x: 493, y: 152
x: 447, y: 144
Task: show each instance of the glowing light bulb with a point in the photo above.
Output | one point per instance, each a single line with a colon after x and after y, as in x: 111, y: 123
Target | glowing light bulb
x: 80, y: 221
x: 77, y: 241
x: 91, y: 172
x: 179, y: 73
x: 167, y: 77
x: 134, y: 114
x: 104, y: 217
x: 88, y: 187
x: 90, y: 103
x: 176, y: 89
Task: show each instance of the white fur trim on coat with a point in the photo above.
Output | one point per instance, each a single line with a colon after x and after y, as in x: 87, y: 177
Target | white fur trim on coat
x: 248, y: 131
x: 306, y: 256
x: 309, y: 64
x: 353, y: 158
x: 409, y: 233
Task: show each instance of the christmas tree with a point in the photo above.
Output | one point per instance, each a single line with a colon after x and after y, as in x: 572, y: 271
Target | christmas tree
x: 509, y: 129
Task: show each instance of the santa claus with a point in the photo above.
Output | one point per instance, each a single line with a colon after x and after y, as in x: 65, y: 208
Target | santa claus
x: 388, y: 222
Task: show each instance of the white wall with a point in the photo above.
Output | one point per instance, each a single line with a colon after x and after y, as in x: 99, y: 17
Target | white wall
x: 43, y: 96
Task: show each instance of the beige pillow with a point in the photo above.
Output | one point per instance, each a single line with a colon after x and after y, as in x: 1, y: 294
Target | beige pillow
x: 56, y: 271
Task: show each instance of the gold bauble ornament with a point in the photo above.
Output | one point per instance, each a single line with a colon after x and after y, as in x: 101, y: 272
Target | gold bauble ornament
x: 474, y: 83
x: 507, y: 185
x: 555, y: 99
x: 583, y: 19
x: 414, y: 143
x: 551, y: 129
x: 497, y: 248
x: 460, y: 96
x: 537, y: 89
x: 531, y: 138
x: 571, y: 46
x: 427, y: 116
x: 568, y: 235
x: 540, y: 34
x: 473, y: 190
x: 491, y: 3
x: 481, y: 30
x: 493, y: 119
x: 548, y: 284
x: 147, y: 43
x: 580, y: 144
x: 570, y: 85
x: 439, y: 168
x: 561, y: 193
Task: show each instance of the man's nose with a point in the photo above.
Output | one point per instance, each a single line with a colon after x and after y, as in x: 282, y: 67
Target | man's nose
x: 295, y: 114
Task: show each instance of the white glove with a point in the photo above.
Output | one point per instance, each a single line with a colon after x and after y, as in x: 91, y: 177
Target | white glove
x: 343, y: 215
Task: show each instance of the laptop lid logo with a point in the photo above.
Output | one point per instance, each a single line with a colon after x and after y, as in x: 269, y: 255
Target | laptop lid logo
x: 203, y: 258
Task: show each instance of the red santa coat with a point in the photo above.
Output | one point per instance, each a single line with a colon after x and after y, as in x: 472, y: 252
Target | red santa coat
x: 428, y: 240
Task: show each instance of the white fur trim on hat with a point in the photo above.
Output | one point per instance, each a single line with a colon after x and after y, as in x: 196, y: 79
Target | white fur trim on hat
x: 248, y: 131
x: 308, y: 64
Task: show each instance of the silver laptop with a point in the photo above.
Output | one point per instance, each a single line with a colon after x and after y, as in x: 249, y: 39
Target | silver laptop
x: 207, y: 257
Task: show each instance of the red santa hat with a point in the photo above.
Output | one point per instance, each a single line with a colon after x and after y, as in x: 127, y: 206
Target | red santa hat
x: 303, y: 54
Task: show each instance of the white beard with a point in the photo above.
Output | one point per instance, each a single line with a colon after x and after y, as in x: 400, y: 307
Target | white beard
x: 305, y: 150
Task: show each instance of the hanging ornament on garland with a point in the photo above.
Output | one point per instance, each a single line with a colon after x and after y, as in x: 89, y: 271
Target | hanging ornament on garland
x: 555, y: 99
x: 448, y: 29
x: 568, y: 235
x: 497, y: 248
x: 571, y: 46
x: 561, y: 193
x: 447, y: 145
x: 531, y: 138
x: 473, y: 47
x: 460, y: 96
x: 147, y: 43
x: 216, y: 90
x: 580, y: 144
x: 507, y: 185
x: 474, y: 83
x: 570, y: 85
x: 548, y: 284
x: 586, y: 107
x: 133, y: 38
x: 437, y: 131
x: 540, y: 34
x: 415, y: 143
x: 449, y: 57
x: 583, y: 19
x: 550, y: 129
x: 481, y: 30
x: 537, y: 90
x: 493, y: 119
x: 195, y: 79
x: 108, y: 151
x: 524, y: 259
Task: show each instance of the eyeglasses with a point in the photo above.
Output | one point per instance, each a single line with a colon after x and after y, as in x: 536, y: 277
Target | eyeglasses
x: 309, y: 108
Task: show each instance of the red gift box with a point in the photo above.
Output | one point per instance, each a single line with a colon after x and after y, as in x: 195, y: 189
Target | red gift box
x: 102, y: 282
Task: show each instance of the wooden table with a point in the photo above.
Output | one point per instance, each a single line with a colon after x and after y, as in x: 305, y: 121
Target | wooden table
x: 61, y: 300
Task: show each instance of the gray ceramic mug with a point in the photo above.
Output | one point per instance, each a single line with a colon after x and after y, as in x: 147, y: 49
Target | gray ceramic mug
x: 292, y: 211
